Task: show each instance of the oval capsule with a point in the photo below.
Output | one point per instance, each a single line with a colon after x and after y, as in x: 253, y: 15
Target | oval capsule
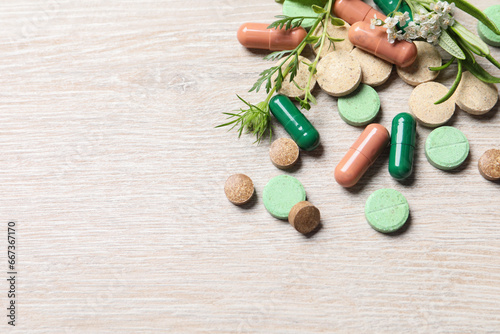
x: 257, y: 36
x: 389, y: 6
x: 294, y: 122
x: 353, y: 11
x: 403, y: 136
x: 361, y: 155
x: 374, y: 41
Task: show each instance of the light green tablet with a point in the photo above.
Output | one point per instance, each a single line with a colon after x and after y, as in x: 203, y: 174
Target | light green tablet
x: 302, y: 8
x: 281, y: 193
x: 446, y: 148
x: 360, y: 107
x: 387, y: 210
x: 488, y: 36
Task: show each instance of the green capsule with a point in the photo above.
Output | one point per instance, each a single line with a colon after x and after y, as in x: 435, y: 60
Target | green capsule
x: 403, y: 135
x: 295, y: 123
x: 388, y: 6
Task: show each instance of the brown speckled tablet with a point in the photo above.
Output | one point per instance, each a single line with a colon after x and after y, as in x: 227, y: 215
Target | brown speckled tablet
x: 239, y: 189
x: 289, y: 88
x: 304, y: 217
x: 423, y: 108
x: 489, y: 165
x: 475, y: 96
x: 334, y: 32
x: 374, y: 70
x: 338, y: 73
x: 418, y: 72
x: 284, y: 153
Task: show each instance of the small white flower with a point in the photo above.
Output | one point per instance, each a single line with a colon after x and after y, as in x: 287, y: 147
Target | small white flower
x: 433, y: 39
x: 390, y: 22
x: 375, y: 22
x: 391, y: 37
x: 449, y: 8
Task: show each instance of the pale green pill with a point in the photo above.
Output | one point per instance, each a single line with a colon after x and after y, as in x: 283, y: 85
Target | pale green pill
x: 281, y: 193
x: 446, y: 148
x: 387, y: 210
x: 493, y: 13
x: 360, y: 107
x: 302, y: 8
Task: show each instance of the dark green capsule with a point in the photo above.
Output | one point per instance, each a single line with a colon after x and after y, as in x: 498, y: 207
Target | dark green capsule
x: 403, y: 136
x: 388, y: 6
x: 295, y: 123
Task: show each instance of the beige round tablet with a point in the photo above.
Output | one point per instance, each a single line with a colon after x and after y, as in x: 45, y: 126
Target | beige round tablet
x: 239, y: 189
x: 290, y: 89
x: 374, y: 70
x: 418, y: 72
x: 284, y: 153
x: 475, y: 96
x: 304, y: 217
x: 423, y: 108
x: 334, y: 32
x: 338, y: 73
x: 489, y: 165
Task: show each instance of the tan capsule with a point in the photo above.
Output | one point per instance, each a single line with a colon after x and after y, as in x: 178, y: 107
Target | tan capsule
x: 239, y: 189
x: 304, y: 217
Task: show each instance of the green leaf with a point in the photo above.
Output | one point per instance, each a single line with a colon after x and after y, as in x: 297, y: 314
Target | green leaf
x: 318, y: 9
x: 477, y: 45
x: 454, y: 86
x: 336, y: 21
x: 440, y: 68
x: 477, y: 13
x: 480, y: 72
x: 493, y: 60
x: 335, y: 39
x: 450, y: 46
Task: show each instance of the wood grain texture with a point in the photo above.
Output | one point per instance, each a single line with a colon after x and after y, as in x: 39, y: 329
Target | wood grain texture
x: 114, y: 173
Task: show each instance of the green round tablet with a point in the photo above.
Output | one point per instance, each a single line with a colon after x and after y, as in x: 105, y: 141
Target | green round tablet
x: 446, y: 148
x: 360, y: 107
x: 302, y: 8
x: 281, y: 193
x: 493, y: 13
x: 387, y: 210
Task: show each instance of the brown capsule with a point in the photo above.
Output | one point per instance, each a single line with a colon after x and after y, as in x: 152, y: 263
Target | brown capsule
x: 304, y: 217
x: 258, y: 36
x: 489, y: 165
x: 239, y: 189
x: 284, y: 153
x: 353, y: 11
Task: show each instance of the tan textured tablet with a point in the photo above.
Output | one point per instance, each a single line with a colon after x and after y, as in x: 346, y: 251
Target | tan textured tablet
x: 423, y: 108
x: 284, y: 153
x: 304, y: 217
x: 475, y: 96
x: 289, y: 88
x: 418, y: 72
x: 489, y: 165
x: 239, y: 189
x: 334, y: 32
x: 338, y: 73
x: 374, y: 70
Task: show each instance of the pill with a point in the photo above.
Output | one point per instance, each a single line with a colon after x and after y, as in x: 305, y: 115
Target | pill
x: 294, y: 122
x: 334, y: 32
x: 338, y: 73
x: 489, y: 165
x: 281, y: 193
x: 419, y: 72
x: 257, y: 36
x: 291, y: 89
x: 422, y: 105
x: 387, y: 210
x: 294, y: 8
x: 304, y: 217
x: 374, y: 41
x: 362, y: 154
x: 475, y: 96
x: 360, y: 107
x: 403, y: 138
x: 389, y: 6
x: 488, y: 36
x: 446, y: 148
x: 284, y: 153
x: 239, y: 189
x: 374, y: 70
x: 353, y: 11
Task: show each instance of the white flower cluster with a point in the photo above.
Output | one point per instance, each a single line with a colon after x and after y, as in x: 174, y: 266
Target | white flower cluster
x: 426, y: 25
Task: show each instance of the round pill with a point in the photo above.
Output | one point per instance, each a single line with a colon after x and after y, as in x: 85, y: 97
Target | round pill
x: 360, y: 107
x: 488, y: 36
x: 446, y: 148
x: 475, y: 96
x: 239, y: 189
x: 290, y: 89
x: 334, y: 32
x: 374, y: 70
x: 489, y: 165
x: 419, y: 72
x: 284, y: 153
x: 387, y: 210
x: 338, y: 73
x: 281, y: 193
x: 423, y: 108
x: 304, y: 217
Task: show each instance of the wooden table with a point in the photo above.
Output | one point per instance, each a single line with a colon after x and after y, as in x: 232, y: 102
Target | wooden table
x: 113, y: 173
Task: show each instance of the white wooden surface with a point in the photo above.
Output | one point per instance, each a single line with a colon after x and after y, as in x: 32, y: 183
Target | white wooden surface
x: 114, y: 173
